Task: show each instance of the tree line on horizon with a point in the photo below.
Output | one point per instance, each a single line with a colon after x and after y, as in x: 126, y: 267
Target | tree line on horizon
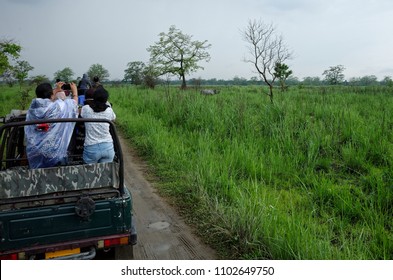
x: 175, y: 54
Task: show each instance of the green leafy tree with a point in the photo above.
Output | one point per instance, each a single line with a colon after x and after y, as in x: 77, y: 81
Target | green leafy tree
x: 97, y: 70
x: 135, y: 72
x: 8, y: 51
x: 177, y: 54
x: 65, y: 75
x: 240, y: 81
x: 254, y: 80
x: 21, y: 70
x: 387, y: 81
x: 266, y: 49
x: 334, y: 75
x: 370, y: 80
x: 291, y: 80
x: 36, y: 80
x: 282, y: 72
x: 312, y: 81
x: 8, y: 77
x: 150, y: 76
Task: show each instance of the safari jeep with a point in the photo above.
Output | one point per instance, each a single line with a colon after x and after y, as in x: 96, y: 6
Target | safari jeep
x: 65, y: 212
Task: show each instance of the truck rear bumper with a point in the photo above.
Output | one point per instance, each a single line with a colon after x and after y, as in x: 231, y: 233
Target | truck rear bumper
x: 89, y: 255
x: 88, y: 248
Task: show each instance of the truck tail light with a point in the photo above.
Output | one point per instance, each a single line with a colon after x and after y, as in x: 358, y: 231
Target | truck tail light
x: 116, y: 241
x: 14, y: 256
x: 9, y: 257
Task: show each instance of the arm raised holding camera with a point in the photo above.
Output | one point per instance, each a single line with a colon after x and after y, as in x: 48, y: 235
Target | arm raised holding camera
x: 61, y: 86
x: 74, y: 91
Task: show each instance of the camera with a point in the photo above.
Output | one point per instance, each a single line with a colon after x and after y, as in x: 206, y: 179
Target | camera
x: 66, y: 86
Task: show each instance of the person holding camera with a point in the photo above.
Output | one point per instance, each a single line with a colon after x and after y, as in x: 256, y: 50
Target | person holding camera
x: 47, y: 143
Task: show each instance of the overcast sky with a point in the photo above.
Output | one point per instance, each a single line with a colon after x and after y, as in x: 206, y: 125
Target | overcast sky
x: 56, y: 34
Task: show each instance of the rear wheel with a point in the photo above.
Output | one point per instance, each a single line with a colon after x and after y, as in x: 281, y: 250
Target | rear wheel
x: 105, y: 254
x: 118, y: 253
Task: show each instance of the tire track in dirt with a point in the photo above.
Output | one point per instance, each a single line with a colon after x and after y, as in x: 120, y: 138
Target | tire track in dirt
x: 162, y: 233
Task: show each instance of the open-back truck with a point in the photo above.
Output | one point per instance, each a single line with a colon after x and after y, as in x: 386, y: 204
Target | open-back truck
x: 72, y: 211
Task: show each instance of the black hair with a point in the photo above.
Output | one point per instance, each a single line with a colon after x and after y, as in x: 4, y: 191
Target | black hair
x: 96, y: 79
x: 100, y: 98
x: 89, y: 95
x: 44, y: 90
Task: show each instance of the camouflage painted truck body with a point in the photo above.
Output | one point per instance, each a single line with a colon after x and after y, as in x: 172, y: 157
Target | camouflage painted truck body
x: 64, y: 212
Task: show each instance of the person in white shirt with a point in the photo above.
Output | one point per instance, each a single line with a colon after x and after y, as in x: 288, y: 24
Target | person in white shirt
x: 98, y: 146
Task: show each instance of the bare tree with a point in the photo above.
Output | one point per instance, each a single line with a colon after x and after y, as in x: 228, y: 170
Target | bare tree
x: 266, y: 49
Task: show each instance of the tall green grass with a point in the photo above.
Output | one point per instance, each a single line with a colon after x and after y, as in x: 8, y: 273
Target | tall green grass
x: 308, y: 177
x: 10, y: 98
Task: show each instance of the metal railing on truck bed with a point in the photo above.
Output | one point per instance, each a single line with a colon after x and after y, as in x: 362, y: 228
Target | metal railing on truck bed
x: 18, y: 180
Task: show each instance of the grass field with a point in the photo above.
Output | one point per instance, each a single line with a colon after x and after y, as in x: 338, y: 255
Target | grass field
x: 308, y: 177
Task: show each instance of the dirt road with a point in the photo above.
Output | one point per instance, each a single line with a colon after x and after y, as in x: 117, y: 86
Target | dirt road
x: 162, y: 233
